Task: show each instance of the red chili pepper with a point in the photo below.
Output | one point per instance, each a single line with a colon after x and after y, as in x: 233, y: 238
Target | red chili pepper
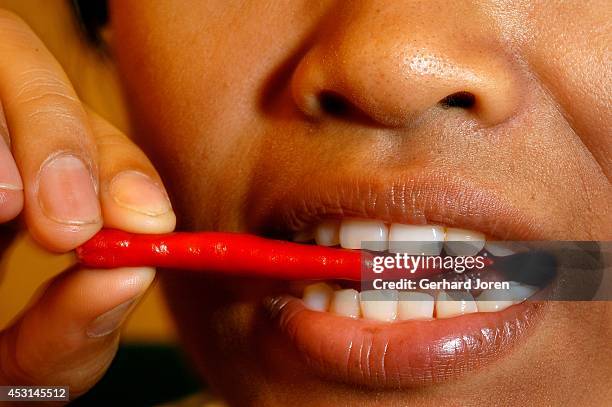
x: 224, y: 253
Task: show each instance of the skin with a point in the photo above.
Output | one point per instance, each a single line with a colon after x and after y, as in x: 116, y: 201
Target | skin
x: 233, y: 120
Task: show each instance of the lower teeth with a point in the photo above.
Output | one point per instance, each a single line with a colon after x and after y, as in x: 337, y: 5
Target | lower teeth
x: 393, y: 305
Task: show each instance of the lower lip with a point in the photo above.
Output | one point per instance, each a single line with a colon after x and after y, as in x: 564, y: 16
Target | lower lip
x: 402, y: 354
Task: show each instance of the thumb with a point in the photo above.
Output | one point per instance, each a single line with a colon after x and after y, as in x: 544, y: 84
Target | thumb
x: 70, y: 335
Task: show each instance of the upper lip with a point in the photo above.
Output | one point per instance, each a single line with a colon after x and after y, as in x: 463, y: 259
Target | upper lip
x: 424, y: 197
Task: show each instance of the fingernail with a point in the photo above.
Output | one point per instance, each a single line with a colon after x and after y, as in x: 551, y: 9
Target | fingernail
x: 66, y: 191
x: 111, y: 320
x: 9, y: 174
x: 136, y: 191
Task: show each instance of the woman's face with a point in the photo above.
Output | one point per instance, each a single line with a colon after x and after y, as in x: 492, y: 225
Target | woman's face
x: 268, y: 117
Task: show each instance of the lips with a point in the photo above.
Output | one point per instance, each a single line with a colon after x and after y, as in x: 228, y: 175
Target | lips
x: 376, y: 351
x: 407, y: 354
x: 410, y: 197
x: 390, y: 338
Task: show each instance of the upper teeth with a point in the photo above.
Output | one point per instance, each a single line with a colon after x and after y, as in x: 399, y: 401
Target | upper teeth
x: 328, y: 233
x: 357, y: 233
x: 397, y: 237
x: 412, y: 239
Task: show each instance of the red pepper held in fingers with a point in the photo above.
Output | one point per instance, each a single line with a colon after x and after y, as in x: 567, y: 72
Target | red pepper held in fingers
x: 223, y: 253
x: 219, y: 252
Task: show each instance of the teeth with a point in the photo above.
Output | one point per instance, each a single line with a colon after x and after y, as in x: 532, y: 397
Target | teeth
x: 520, y: 292
x: 303, y: 236
x: 328, y: 233
x: 494, y: 300
x: 399, y: 238
x: 414, y: 305
x: 459, y: 304
x: 501, y: 249
x: 372, y: 234
x: 346, y: 303
x: 391, y: 305
x: 379, y: 305
x: 318, y: 296
x: 413, y: 240
x: 462, y: 242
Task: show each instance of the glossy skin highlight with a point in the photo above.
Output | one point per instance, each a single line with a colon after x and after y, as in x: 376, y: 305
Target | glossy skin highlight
x: 237, y: 124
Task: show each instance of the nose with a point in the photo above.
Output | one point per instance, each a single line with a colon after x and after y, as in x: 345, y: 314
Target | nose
x: 395, y: 60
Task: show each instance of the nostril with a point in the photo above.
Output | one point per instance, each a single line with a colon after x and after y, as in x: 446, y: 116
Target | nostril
x: 464, y: 100
x: 334, y: 104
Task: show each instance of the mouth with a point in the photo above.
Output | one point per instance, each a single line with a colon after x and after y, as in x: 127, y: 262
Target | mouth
x: 404, y: 338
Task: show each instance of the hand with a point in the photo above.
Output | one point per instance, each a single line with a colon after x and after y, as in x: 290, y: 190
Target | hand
x: 68, y: 173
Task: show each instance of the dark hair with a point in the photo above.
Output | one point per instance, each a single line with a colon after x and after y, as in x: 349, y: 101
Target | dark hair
x: 91, y: 16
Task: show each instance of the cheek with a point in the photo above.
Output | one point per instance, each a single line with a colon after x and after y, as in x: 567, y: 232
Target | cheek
x: 195, y: 93
x: 184, y: 116
x: 569, y: 59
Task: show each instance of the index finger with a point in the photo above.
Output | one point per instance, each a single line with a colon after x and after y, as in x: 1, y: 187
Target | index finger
x: 51, y: 140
